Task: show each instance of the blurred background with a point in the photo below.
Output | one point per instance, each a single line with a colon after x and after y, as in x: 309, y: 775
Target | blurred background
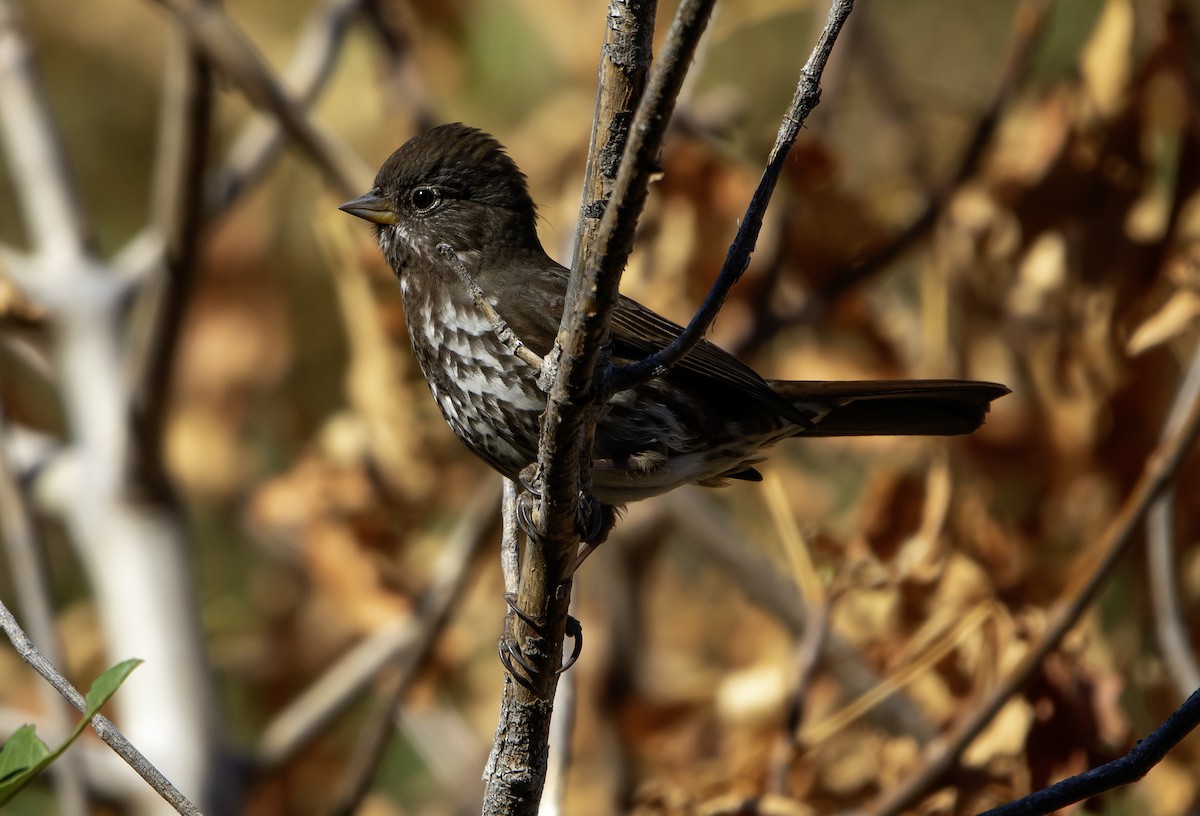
x: 1002, y: 191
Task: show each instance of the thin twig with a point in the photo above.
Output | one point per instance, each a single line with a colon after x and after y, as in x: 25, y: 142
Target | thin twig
x: 1121, y: 771
x: 1093, y: 571
x: 103, y: 727
x: 806, y: 97
x: 500, y: 328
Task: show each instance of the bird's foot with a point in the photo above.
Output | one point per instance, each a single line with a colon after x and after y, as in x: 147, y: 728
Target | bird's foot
x: 514, y: 660
x: 593, y: 523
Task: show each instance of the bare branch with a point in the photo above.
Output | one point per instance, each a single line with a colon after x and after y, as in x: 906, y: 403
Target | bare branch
x: 1127, y: 769
x: 806, y: 97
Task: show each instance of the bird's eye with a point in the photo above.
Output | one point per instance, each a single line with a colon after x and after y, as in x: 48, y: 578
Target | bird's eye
x: 424, y: 199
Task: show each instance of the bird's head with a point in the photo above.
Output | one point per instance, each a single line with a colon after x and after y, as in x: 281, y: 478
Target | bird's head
x: 452, y: 184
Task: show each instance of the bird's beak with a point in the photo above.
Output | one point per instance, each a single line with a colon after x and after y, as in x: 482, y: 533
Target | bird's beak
x: 371, y: 207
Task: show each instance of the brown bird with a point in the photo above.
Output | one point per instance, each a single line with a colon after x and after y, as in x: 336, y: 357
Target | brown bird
x: 704, y: 422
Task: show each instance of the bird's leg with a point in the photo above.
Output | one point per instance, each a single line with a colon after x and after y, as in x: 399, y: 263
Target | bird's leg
x: 509, y: 646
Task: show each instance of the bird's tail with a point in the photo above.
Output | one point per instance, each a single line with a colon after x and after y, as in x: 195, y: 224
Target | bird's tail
x: 891, y: 407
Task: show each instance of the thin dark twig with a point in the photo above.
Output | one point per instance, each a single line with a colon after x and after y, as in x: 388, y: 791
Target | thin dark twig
x: 101, y: 724
x: 1121, y: 771
x: 1093, y: 571
x: 806, y: 97
x: 180, y: 165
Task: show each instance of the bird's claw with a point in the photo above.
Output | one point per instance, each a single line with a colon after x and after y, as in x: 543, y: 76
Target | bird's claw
x: 509, y: 648
x: 593, y: 525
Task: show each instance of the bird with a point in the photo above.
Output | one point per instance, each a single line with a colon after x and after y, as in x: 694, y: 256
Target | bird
x: 452, y: 211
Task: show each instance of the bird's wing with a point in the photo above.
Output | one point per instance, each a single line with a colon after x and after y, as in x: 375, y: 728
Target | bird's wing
x: 638, y: 331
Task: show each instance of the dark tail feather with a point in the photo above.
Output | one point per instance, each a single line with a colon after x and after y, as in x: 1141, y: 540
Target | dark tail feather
x: 891, y: 407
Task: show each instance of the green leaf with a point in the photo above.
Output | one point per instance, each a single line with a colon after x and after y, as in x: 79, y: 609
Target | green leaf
x: 106, y: 685
x: 23, y: 750
x: 25, y: 755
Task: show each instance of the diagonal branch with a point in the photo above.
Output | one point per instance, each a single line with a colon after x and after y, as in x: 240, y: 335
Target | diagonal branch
x: 102, y: 725
x: 28, y: 569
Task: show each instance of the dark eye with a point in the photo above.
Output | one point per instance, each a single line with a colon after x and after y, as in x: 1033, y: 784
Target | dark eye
x: 424, y: 199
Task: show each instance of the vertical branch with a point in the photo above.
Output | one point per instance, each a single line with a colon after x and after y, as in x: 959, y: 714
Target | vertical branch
x: 624, y: 63
x: 516, y: 770
x: 136, y: 555
x: 176, y: 210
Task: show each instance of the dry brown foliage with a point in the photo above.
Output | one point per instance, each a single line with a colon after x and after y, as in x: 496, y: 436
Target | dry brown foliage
x: 321, y: 484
